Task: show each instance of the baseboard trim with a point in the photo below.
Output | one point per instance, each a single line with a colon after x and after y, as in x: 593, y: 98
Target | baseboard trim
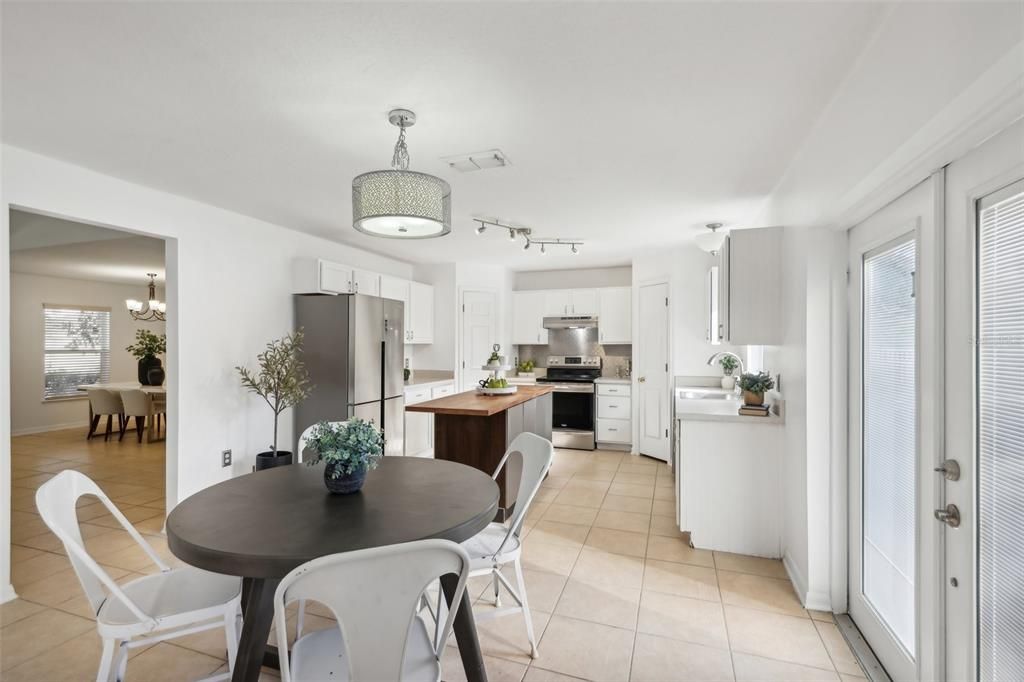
x: 52, y: 427
x: 7, y: 594
x: 818, y: 601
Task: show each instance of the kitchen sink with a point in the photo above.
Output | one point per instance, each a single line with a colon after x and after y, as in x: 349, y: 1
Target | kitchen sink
x: 706, y: 395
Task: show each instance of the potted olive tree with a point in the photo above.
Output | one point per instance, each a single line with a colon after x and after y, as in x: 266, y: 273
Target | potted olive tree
x: 729, y: 365
x: 282, y: 381
x: 146, y: 348
x: 349, y: 449
x: 754, y: 387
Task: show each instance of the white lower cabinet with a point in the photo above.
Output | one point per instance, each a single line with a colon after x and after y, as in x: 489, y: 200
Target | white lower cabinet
x: 729, y: 486
x: 614, y: 414
x: 419, y: 426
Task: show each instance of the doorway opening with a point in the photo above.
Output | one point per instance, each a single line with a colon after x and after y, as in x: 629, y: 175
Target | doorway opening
x: 88, y: 390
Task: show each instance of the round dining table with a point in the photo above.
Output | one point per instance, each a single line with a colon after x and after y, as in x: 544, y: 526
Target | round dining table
x: 262, y: 525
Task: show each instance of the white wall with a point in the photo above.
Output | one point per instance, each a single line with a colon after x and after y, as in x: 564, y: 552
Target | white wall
x: 685, y: 268
x: 441, y: 353
x: 582, y: 278
x: 229, y: 283
x: 29, y: 413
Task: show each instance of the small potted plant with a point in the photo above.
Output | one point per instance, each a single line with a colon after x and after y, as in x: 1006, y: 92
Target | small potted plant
x: 146, y: 348
x: 282, y: 381
x: 348, y: 449
x: 729, y: 365
x: 754, y: 387
x: 496, y: 359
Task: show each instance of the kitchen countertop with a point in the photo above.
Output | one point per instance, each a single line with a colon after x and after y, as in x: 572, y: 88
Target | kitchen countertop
x: 473, y: 404
x: 612, y: 380
x: 429, y: 378
x: 717, y: 410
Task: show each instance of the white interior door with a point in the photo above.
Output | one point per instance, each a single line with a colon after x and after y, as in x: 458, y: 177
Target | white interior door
x: 479, y: 334
x: 892, y: 448
x: 983, y: 587
x: 652, y: 377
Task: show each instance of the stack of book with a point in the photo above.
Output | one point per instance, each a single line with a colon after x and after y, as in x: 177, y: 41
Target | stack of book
x: 754, y: 410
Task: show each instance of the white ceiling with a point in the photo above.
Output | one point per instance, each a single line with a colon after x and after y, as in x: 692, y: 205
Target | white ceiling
x: 42, y: 245
x: 626, y: 124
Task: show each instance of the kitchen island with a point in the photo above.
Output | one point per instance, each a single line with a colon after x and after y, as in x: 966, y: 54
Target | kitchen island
x: 475, y: 429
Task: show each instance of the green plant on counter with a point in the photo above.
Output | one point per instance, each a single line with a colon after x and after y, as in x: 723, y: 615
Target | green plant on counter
x: 147, y: 344
x: 729, y: 364
x: 349, y: 446
x: 757, y: 383
x: 282, y: 380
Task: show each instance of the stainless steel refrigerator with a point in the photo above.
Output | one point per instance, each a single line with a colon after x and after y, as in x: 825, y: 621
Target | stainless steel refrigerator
x: 353, y: 351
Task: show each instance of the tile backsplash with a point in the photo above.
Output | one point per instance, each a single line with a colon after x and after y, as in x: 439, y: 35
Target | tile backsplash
x: 615, y: 358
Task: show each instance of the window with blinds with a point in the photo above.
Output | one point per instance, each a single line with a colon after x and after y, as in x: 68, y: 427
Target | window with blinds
x: 76, y: 349
x: 889, y: 435
x: 1000, y: 437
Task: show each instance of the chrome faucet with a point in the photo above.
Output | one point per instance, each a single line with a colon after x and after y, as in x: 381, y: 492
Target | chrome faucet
x: 717, y: 356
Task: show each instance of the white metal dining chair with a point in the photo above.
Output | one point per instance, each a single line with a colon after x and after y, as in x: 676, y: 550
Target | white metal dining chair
x: 374, y: 595
x: 498, y: 544
x: 172, y: 603
x: 103, y: 402
x: 300, y: 449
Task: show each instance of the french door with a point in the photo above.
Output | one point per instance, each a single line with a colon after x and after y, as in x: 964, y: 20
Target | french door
x: 892, y: 430
x: 936, y: 430
x: 983, y: 587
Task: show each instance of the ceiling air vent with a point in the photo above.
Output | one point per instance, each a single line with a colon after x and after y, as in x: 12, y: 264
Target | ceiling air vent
x: 467, y: 163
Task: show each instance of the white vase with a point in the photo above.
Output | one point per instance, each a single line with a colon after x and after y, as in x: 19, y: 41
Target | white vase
x: 729, y: 382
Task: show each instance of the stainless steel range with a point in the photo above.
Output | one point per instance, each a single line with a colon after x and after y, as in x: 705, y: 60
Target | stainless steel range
x: 572, y: 416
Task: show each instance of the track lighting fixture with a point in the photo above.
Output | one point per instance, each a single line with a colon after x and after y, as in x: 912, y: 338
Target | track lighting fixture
x: 527, y: 234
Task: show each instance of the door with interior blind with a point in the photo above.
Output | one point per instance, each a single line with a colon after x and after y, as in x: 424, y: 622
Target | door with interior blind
x: 983, y: 581
x: 892, y: 295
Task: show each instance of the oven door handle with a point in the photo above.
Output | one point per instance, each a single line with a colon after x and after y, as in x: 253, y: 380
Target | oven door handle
x: 573, y: 388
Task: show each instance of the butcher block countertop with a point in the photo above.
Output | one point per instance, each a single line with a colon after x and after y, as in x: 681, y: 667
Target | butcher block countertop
x: 473, y: 404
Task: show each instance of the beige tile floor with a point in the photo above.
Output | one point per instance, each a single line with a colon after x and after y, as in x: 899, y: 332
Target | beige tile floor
x: 617, y: 592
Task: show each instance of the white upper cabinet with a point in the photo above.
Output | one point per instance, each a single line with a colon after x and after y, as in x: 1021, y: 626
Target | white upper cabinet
x: 366, y: 282
x: 421, y: 313
x: 614, y: 314
x: 528, y: 310
x: 557, y: 302
x: 584, y: 302
x: 750, y: 287
x: 315, y: 276
x: 562, y: 302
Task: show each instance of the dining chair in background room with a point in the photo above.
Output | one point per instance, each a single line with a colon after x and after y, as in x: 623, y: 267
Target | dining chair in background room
x: 374, y: 595
x: 172, y: 603
x: 300, y: 449
x: 498, y: 544
x: 103, y: 402
x: 140, y: 405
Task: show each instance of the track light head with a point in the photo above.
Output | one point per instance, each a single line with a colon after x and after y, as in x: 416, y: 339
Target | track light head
x: 526, y: 247
x: 481, y: 229
x: 542, y: 249
x: 574, y: 250
x: 511, y: 235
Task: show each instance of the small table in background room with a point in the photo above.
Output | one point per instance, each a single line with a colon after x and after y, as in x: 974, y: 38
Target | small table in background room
x: 118, y: 386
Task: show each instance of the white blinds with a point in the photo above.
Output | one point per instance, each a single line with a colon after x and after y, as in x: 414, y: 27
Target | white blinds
x: 76, y: 348
x: 889, y: 435
x: 1001, y: 435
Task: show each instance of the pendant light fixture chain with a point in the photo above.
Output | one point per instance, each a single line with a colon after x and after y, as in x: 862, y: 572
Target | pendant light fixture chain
x: 400, y: 159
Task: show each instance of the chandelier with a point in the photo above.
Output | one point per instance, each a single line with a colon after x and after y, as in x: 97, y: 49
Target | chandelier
x: 149, y: 310
x: 400, y: 203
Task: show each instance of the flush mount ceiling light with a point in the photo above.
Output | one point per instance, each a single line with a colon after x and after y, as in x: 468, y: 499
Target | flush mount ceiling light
x: 150, y: 310
x: 526, y: 233
x: 400, y: 203
x: 710, y: 241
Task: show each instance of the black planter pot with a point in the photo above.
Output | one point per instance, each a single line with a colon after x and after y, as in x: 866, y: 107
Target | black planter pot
x: 344, y: 484
x: 269, y: 460
x: 147, y: 364
x: 156, y: 376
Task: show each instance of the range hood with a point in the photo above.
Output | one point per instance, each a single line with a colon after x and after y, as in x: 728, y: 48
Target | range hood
x: 571, y: 322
